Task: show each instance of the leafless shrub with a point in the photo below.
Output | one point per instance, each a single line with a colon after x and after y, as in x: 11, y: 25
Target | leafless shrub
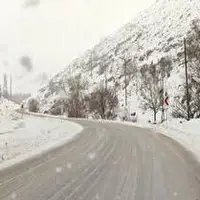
x: 33, y: 105
x: 104, y: 101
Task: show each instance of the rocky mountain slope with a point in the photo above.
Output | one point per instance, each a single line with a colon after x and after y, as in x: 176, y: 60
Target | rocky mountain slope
x: 156, y: 33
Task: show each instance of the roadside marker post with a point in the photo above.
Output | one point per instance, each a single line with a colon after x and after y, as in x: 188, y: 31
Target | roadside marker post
x: 166, y: 103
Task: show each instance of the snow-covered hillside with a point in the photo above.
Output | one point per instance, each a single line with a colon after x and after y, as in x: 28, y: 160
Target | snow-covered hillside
x: 156, y: 33
x: 52, y: 33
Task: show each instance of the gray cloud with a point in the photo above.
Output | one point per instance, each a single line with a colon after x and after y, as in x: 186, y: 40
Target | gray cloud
x: 26, y: 63
x: 31, y: 3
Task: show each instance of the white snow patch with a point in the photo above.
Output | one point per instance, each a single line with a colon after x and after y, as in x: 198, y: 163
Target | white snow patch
x: 175, y: 194
x: 97, y: 196
x: 91, y: 156
x: 118, y: 197
x: 69, y: 165
x: 13, y: 195
x: 58, y: 170
x: 185, y: 132
x: 31, y: 136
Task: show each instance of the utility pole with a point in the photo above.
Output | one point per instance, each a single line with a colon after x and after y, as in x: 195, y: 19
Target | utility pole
x: 11, y: 86
x: 186, y: 80
x: 125, y: 76
x: 91, y: 64
x: 125, y: 84
x: 105, y: 77
x: 162, y: 92
x: 162, y: 97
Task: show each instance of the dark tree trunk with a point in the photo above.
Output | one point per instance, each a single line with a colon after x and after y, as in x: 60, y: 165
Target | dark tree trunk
x: 154, y: 116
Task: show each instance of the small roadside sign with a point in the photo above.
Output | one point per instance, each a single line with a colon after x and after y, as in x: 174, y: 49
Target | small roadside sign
x: 166, y: 100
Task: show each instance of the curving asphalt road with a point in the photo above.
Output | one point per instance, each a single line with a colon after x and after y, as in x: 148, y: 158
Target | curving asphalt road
x: 107, y: 162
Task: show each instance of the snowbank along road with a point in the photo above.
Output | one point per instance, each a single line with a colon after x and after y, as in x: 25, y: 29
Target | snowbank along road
x: 23, y: 138
x: 108, y: 162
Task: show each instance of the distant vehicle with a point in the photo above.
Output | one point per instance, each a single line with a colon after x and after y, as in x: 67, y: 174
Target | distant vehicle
x: 22, y: 109
x: 133, y: 117
x: 130, y: 117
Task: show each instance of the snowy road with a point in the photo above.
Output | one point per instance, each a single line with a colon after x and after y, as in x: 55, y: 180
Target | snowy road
x: 107, y: 162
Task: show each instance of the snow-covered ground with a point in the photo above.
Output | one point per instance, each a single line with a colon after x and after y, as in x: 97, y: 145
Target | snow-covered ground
x: 22, y: 138
x: 185, y: 132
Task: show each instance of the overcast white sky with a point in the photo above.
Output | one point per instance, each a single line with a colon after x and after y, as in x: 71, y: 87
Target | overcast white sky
x: 53, y: 32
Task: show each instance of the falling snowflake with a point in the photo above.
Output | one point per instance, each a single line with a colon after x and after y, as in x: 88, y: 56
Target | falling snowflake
x: 86, y: 169
x: 175, y: 194
x: 14, y: 195
x: 97, y: 196
x: 58, y: 169
x: 117, y: 197
x: 162, y: 154
x: 91, y: 156
x: 69, y: 165
x: 101, y: 136
x: 115, y: 162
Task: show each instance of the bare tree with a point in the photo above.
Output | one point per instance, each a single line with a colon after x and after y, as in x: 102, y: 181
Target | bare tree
x: 76, y: 96
x: 59, y: 107
x: 150, y: 90
x: 76, y: 106
x: 104, y: 101
x: 179, y: 109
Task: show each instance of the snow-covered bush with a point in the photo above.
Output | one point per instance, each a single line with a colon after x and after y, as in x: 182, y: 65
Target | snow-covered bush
x: 59, y: 107
x: 55, y: 111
